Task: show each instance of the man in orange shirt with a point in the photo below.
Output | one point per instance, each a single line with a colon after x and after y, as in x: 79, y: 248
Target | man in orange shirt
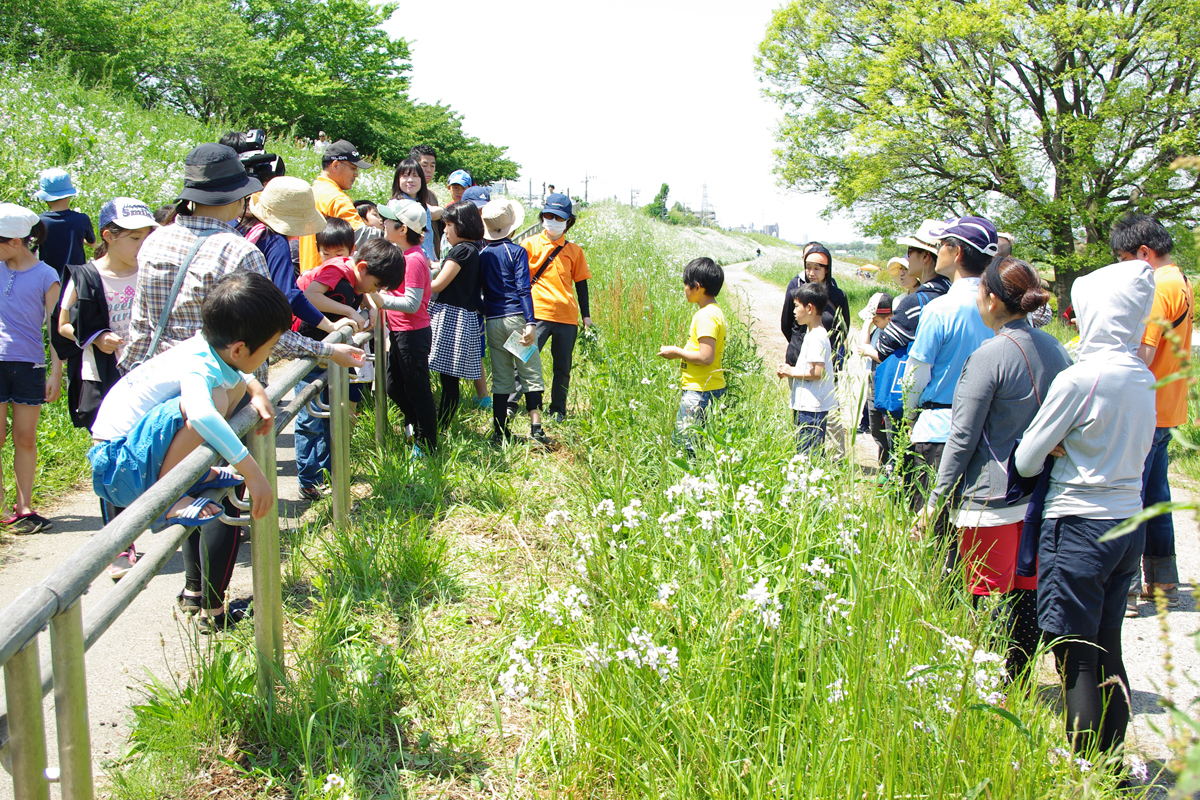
x: 558, y: 271
x: 1166, y: 347
x: 340, y: 164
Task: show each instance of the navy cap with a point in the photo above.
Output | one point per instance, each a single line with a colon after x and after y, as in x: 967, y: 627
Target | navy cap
x: 559, y: 205
x: 479, y: 195
x: 975, y: 231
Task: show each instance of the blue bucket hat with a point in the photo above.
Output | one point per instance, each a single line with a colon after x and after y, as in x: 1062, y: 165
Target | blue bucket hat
x: 460, y: 177
x: 559, y: 205
x: 55, y: 184
x: 479, y: 195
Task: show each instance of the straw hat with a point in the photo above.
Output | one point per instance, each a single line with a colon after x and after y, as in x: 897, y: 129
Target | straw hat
x: 287, y: 207
x: 502, y: 218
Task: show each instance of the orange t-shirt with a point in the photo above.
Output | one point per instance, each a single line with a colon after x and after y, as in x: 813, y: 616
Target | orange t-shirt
x: 1173, y: 300
x: 332, y: 202
x: 554, y: 293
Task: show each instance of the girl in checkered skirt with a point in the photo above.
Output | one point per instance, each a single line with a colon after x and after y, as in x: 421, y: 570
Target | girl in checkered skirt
x: 454, y: 315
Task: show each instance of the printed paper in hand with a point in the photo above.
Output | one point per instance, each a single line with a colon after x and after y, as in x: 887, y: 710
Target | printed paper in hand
x: 521, y: 351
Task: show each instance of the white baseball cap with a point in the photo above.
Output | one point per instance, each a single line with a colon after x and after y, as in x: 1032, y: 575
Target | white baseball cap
x: 16, y: 221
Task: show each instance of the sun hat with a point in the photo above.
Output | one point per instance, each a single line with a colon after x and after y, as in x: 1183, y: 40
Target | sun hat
x: 978, y: 232
x: 559, y: 205
x: 479, y: 195
x: 16, y: 221
x: 460, y: 177
x: 408, y: 212
x: 923, y: 239
x: 287, y: 207
x: 895, y: 264
x: 55, y: 184
x: 502, y: 218
x: 341, y: 150
x: 1006, y: 235
x: 214, y: 176
x: 128, y: 213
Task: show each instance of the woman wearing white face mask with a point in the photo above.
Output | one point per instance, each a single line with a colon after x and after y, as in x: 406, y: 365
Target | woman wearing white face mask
x: 558, y: 271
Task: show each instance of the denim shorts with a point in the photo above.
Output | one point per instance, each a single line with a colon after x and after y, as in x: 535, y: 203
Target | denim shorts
x: 23, y: 383
x: 1082, y: 582
x: 123, y: 469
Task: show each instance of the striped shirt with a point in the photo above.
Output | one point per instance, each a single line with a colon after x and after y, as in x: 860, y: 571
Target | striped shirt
x: 159, y: 261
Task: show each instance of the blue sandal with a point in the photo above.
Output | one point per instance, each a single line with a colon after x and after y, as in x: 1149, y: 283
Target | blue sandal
x: 226, y: 478
x: 192, y: 514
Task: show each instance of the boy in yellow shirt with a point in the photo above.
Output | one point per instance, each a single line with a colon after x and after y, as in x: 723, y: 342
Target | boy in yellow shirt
x: 703, y: 380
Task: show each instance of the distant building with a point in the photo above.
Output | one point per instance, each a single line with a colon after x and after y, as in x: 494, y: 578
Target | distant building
x: 771, y: 230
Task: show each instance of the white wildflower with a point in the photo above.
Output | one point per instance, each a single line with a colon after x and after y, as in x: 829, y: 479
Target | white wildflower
x: 835, y: 691
x: 666, y: 590
x: 557, y: 517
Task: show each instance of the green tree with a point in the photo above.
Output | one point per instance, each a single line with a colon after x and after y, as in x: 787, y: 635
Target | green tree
x: 658, y: 208
x: 1051, y: 116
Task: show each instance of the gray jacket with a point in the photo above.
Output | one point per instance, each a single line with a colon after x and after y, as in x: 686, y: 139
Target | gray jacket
x: 1101, y: 409
x: 998, y: 393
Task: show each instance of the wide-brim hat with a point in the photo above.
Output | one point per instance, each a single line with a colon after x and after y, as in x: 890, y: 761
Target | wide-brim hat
x: 55, y: 184
x: 287, y: 206
x: 502, y: 217
x: 923, y: 239
x: 213, y: 175
x: 895, y: 264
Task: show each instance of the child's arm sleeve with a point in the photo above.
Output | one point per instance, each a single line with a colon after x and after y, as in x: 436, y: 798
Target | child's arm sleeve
x: 581, y: 289
x: 408, y: 302
x: 196, y: 396
x: 1054, y: 420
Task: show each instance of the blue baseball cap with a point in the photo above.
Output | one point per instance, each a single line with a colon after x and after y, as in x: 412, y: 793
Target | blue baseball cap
x: 559, y: 205
x: 55, y: 184
x: 479, y: 195
x: 975, y: 231
x: 460, y: 177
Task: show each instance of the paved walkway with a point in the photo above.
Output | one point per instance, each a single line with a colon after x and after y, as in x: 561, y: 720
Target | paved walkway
x: 1145, y: 645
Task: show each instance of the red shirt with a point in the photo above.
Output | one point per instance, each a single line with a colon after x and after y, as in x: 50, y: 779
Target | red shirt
x: 416, y: 276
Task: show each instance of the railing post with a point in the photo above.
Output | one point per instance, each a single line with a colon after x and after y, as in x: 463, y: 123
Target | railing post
x: 264, y: 560
x: 339, y: 444
x: 381, y: 399
x: 26, y: 727
x: 70, y: 704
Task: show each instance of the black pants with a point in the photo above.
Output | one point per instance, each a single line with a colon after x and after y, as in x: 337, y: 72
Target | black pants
x: 562, y: 337
x: 408, y: 382
x: 451, y: 398
x: 881, y: 426
x: 1095, y: 715
x: 208, y: 558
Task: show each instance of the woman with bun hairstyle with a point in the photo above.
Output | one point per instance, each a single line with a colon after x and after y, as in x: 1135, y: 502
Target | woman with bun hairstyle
x: 1000, y: 390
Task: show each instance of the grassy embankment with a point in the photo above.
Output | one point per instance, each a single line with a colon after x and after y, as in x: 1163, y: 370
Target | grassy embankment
x: 609, y: 620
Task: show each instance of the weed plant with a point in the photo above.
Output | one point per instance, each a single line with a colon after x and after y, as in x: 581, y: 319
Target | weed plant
x: 613, y: 619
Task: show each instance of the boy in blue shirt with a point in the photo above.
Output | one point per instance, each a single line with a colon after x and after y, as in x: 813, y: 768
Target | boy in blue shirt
x: 66, y: 230
x: 160, y: 412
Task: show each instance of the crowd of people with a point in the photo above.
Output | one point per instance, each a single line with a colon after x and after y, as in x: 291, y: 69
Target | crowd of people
x: 1016, y: 454
x: 167, y: 329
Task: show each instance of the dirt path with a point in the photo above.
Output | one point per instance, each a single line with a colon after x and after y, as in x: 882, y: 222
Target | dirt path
x: 150, y: 638
x: 1146, y: 643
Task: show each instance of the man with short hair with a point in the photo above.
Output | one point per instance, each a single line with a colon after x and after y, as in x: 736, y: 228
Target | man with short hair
x: 340, y: 164
x: 906, y: 313
x: 426, y: 159
x: 1005, y: 240
x: 1165, y: 349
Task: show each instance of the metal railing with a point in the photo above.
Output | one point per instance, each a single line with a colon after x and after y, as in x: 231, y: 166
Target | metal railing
x: 56, y: 599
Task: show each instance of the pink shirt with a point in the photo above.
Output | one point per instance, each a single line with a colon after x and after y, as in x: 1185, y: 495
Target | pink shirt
x: 416, y: 276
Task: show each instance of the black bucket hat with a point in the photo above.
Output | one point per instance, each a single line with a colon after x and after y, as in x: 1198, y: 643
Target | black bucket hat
x: 213, y: 175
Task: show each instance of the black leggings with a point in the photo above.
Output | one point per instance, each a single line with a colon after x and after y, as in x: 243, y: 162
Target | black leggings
x: 1092, y: 710
x: 208, y: 558
x: 408, y: 383
x: 451, y: 397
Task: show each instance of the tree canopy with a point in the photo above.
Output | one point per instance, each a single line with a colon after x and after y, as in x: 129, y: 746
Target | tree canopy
x: 1052, y: 117
x: 658, y: 208
x: 284, y: 65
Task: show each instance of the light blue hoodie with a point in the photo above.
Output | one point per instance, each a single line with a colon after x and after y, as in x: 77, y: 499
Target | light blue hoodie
x: 1102, y: 408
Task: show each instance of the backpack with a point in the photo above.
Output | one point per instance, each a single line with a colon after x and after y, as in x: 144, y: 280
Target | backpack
x: 889, y: 375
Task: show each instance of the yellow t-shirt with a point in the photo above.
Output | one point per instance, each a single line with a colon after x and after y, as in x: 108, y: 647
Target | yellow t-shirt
x: 332, y: 202
x: 554, y: 293
x: 708, y: 321
x: 1172, y: 300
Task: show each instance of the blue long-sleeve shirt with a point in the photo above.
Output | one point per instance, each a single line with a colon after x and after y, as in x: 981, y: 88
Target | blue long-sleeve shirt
x: 506, y: 288
x: 279, y: 263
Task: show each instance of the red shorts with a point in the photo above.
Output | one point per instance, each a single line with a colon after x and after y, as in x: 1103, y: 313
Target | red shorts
x: 990, y: 556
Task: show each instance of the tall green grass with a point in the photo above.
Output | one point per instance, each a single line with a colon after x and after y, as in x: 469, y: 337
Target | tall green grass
x: 612, y: 619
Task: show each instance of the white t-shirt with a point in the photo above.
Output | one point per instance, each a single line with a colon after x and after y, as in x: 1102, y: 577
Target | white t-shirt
x: 818, y: 395
x: 118, y: 296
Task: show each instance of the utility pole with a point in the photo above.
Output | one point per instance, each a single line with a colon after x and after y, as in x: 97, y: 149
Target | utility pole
x: 531, y: 191
x: 633, y: 195
x: 703, y: 204
x: 586, y: 178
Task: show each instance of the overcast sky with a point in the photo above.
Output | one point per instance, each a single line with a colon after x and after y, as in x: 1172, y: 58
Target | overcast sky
x: 633, y: 92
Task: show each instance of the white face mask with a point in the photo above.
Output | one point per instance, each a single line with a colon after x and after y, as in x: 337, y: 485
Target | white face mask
x: 555, y: 227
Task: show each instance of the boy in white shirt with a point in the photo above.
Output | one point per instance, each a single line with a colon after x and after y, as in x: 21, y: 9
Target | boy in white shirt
x: 813, y: 392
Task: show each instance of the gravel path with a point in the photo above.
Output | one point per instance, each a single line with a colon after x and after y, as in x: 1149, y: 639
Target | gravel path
x: 150, y: 638
x: 1146, y: 644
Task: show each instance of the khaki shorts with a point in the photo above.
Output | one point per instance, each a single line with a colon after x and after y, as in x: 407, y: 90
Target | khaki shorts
x: 506, y: 366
